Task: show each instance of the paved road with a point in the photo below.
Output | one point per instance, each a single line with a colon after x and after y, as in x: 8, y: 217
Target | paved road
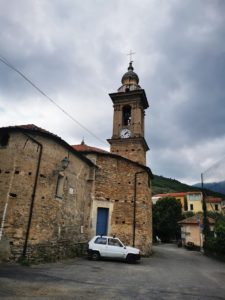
x: 171, y: 273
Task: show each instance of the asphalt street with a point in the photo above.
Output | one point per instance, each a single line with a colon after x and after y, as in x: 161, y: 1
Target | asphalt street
x: 171, y: 273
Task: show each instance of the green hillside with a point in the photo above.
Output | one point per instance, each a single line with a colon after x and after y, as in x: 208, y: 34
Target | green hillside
x: 162, y: 185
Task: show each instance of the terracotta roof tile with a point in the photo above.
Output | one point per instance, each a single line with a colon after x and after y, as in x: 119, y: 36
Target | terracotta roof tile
x: 182, y: 194
x: 85, y: 148
x: 195, y: 220
x: 213, y: 200
x: 34, y: 127
x: 178, y: 194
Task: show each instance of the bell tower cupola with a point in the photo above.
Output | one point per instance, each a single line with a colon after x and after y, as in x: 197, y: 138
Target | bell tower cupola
x: 129, y: 80
x: 129, y: 104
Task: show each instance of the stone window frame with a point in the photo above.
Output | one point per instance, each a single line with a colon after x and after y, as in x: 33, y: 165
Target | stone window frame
x: 60, y: 186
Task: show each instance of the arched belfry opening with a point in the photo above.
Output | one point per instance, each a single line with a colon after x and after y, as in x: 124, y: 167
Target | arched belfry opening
x: 126, y: 115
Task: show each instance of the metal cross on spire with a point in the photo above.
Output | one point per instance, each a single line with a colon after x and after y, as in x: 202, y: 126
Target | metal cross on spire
x: 130, y: 54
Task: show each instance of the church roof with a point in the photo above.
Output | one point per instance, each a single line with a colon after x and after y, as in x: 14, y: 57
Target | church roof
x: 129, y: 80
x: 33, y: 129
x: 85, y: 149
x: 130, y: 75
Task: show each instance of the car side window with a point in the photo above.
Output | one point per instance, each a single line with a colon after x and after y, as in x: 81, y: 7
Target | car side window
x: 114, y: 242
x: 101, y: 241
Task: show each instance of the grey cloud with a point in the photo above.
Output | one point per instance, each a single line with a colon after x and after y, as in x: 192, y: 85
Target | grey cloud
x: 76, y: 52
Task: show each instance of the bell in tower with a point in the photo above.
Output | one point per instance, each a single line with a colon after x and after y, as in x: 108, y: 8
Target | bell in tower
x: 129, y: 104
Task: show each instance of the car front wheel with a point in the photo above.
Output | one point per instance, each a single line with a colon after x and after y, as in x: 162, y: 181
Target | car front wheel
x: 95, y: 255
x: 130, y: 258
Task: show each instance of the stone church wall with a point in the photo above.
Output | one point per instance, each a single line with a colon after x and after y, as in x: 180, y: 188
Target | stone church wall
x: 59, y: 226
x: 115, y: 189
x: 133, y: 150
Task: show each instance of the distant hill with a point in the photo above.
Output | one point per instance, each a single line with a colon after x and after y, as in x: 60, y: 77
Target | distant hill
x: 162, y: 185
x: 218, y: 187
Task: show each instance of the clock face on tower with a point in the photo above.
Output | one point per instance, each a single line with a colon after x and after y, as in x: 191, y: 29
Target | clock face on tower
x: 125, y: 133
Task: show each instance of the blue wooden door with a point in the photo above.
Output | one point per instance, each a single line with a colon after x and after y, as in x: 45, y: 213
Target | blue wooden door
x: 102, y: 221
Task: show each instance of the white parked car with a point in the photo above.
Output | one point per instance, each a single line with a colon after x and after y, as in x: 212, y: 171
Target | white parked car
x: 111, y: 247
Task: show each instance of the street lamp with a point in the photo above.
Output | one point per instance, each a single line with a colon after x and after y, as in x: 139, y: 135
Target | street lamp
x: 65, y: 162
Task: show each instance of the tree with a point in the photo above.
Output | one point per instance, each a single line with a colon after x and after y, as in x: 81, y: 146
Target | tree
x: 166, y: 213
x: 220, y: 226
x: 187, y: 214
x: 220, y: 235
x: 216, y: 245
x: 213, y: 214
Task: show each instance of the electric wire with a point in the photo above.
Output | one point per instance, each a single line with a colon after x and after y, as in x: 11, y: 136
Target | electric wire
x: 8, y: 64
x: 215, y: 171
x: 215, y: 165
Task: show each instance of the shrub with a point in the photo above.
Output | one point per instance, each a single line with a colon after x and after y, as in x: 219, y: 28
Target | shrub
x: 216, y: 244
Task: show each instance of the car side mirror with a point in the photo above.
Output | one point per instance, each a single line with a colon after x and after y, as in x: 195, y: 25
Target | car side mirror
x: 125, y: 247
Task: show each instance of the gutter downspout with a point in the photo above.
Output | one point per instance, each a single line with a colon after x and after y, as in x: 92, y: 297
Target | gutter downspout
x: 33, y: 194
x: 134, y: 211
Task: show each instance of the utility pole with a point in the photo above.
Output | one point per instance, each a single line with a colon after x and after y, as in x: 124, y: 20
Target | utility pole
x: 206, y: 229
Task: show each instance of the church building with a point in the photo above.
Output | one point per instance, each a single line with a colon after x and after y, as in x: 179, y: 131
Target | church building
x: 55, y: 197
x: 122, y: 202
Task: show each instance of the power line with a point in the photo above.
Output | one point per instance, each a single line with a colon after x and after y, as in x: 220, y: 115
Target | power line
x: 7, y: 63
x: 215, y: 172
x: 216, y: 165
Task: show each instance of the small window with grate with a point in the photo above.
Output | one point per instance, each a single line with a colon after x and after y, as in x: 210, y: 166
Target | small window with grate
x: 4, y: 139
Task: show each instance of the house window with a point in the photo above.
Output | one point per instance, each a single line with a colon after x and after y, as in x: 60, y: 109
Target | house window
x: 60, y: 186
x: 185, y: 204
x: 191, y: 207
x: 216, y: 207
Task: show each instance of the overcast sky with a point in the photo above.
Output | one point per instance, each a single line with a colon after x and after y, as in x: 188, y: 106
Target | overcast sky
x: 75, y: 51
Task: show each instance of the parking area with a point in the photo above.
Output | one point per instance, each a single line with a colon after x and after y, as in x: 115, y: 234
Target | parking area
x: 171, y: 273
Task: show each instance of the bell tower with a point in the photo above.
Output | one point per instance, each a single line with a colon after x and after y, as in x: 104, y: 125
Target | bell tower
x: 129, y: 104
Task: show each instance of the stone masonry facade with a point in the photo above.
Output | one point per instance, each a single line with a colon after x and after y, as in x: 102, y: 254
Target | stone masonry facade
x: 59, y: 225
x: 123, y: 186
x: 133, y: 150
